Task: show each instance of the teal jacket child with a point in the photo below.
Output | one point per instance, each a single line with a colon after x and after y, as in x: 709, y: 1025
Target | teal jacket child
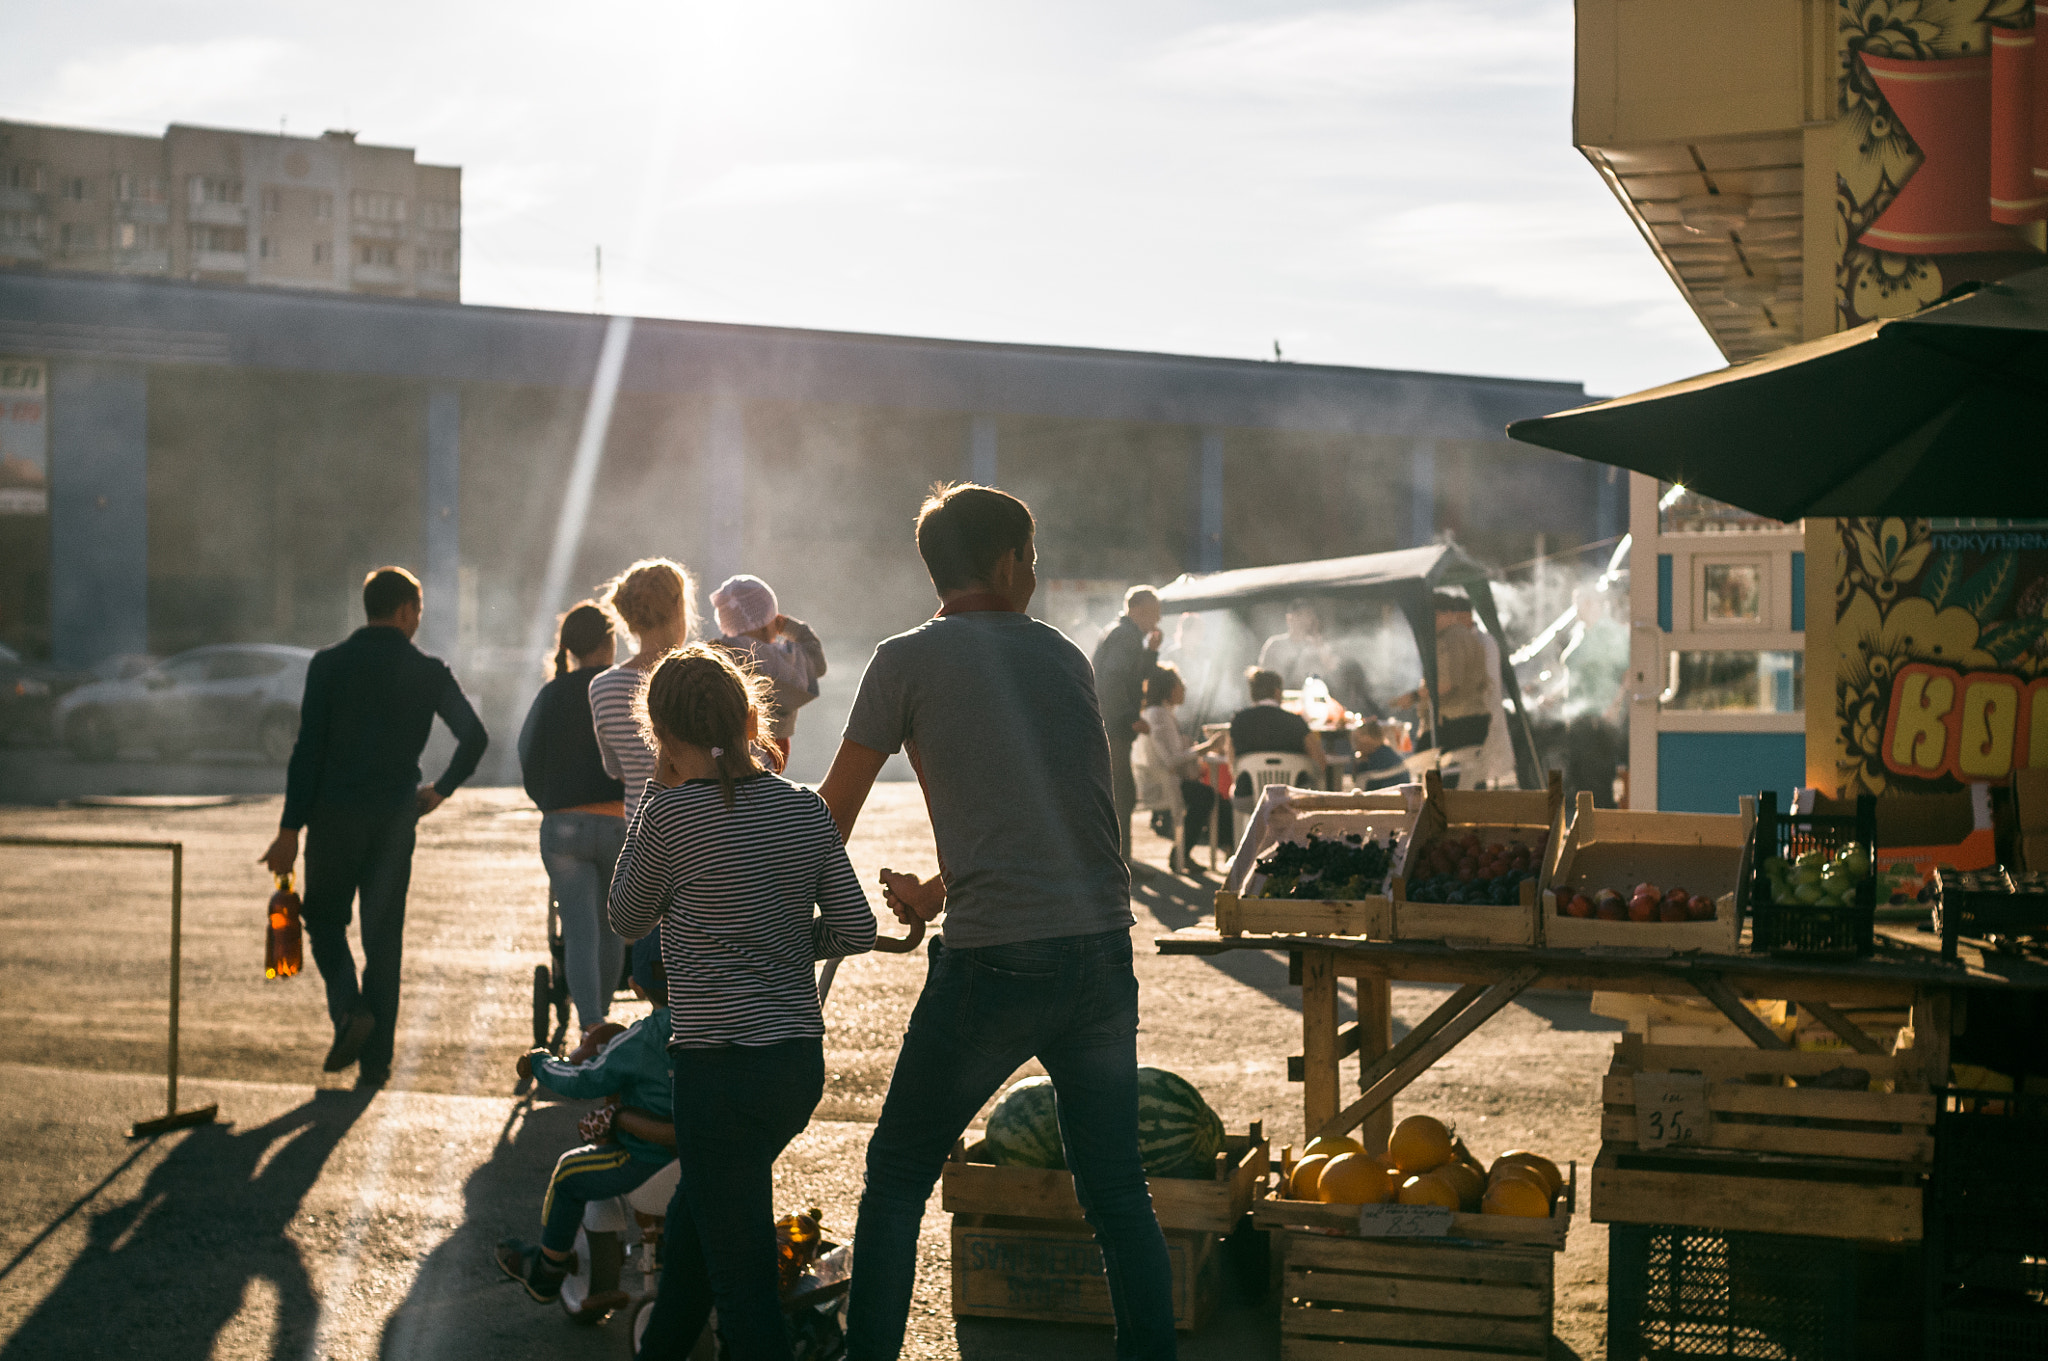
x: 634, y: 1067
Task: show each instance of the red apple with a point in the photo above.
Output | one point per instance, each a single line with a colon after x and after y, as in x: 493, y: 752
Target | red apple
x: 1611, y: 910
x: 1676, y: 895
x: 1647, y: 888
x: 1579, y: 906
x: 1700, y: 908
x: 1643, y: 908
x: 1670, y: 911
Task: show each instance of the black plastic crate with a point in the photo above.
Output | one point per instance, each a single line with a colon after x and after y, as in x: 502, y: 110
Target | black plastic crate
x: 1990, y: 1182
x: 1979, y: 1325
x: 1985, y: 903
x: 1803, y: 928
x: 1685, y: 1292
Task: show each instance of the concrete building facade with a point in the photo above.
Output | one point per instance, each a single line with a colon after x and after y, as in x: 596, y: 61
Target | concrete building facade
x: 224, y: 464
x: 216, y: 205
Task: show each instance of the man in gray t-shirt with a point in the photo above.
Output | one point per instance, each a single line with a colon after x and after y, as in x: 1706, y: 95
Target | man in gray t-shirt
x: 998, y: 715
x: 999, y: 712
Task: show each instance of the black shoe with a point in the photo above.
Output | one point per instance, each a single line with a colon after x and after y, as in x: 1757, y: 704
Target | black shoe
x: 1162, y: 823
x: 369, y: 1079
x: 349, y: 1038
x: 529, y: 1266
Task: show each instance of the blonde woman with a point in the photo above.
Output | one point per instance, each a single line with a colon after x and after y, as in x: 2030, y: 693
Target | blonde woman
x: 654, y: 600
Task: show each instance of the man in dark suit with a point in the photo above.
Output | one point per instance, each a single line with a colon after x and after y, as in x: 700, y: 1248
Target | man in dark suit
x: 1124, y: 660
x: 354, y: 785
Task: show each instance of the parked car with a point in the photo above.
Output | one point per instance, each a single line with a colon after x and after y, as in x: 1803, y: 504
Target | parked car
x: 236, y: 696
x: 29, y: 692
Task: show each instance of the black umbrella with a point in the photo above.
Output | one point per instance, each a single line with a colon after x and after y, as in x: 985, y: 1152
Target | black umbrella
x: 1941, y: 413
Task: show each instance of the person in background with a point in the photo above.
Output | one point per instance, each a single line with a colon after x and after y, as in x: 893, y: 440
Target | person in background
x: 654, y: 600
x: 1193, y: 655
x: 354, y: 785
x: 1300, y: 652
x: 782, y: 649
x: 583, y: 810
x: 998, y: 713
x: 1461, y: 679
x: 746, y: 878
x: 1169, y: 751
x: 1263, y: 725
x: 1378, y: 764
x: 1124, y: 659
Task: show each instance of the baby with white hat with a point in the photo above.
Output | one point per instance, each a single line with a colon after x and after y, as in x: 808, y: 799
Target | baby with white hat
x: 783, y: 649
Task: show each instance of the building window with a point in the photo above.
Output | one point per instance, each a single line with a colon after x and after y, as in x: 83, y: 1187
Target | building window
x: 139, y: 236
x: 73, y: 237
x: 24, y: 177
x: 323, y: 206
x: 220, y: 240
x: 263, y: 248
x: 215, y: 189
x: 77, y: 188
x: 137, y: 189
x: 23, y: 226
x: 273, y: 201
x: 374, y: 253
x: 378, y: 207
x: 437, y: 257
x: 441, y: 216
x: 322, y: 251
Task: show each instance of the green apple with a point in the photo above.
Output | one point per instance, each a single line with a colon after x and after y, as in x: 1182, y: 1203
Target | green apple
x: 1807, y: 893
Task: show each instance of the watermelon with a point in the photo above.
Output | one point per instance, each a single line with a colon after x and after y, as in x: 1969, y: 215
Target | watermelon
x: 1024, y: 1128
x: 1178, y: 1135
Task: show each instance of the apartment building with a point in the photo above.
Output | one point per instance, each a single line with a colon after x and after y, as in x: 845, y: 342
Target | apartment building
x: 211, y: 204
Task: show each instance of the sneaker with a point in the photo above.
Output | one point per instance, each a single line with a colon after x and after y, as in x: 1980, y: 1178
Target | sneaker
x: 349, y: 1038
x: 528, y: 1265
x: 369, y: 1079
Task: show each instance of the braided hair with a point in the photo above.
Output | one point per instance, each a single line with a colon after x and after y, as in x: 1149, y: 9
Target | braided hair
x: 701, y: 695
x: 579, y: 633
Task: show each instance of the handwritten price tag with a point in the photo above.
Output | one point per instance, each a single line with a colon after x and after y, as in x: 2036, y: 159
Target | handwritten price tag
x: 1671, y: 1108
x: 1403, y: 1221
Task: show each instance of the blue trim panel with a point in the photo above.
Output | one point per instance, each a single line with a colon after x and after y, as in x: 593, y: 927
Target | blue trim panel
x: 1664, y: 592
x: 1799, y: 592
x: 1706, y: 772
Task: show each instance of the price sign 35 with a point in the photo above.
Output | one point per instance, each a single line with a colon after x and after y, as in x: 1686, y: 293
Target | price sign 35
x: 1671, y: 1108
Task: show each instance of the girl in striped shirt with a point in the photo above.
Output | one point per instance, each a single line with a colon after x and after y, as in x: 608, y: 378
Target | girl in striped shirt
x: 655, y: 601
x: 730, y: 861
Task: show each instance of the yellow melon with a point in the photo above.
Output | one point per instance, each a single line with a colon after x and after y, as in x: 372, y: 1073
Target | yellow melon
x: 1466, y: 1180
x: 1301, y: 1183
x: 1420, y: 1144
x: 1516, y: 1196
x: 1331, y: 1147
x: 1354, y: 1179
x: 1552, y: 1178
x: 1429, y: 1189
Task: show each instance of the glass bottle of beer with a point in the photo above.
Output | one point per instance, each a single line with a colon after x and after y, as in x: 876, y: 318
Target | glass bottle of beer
x: 796, y: 1245
x: 282, y: 950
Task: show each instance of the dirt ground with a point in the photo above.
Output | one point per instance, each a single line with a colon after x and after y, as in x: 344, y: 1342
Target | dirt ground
x: 312, y: 1221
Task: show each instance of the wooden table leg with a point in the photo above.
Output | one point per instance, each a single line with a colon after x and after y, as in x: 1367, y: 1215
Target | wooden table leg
x: 1318, y: 1039
x: 1933, y: 1010
x: 1375, y: 1037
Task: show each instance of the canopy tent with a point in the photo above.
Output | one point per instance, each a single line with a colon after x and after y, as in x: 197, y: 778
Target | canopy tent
x: 1939, y: 413
x: 1408, y: 577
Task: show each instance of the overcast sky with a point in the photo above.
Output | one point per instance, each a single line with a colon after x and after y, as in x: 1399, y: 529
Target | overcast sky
x: 1387, y: 183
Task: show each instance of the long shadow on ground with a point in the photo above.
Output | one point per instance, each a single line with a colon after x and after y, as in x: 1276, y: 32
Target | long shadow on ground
x: 163, y: 1273
x: 461, y: 1306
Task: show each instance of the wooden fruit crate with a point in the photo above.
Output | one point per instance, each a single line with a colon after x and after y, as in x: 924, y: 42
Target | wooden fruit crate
x: 1498, y: 815
x: 1285, y: 814
x: 1773, y: 1158
x: 1348, y: 1299
x: 1212, y: 1205
x: 1619, y: 848
x: 1274, y: 1212
x: 1051, y: 1271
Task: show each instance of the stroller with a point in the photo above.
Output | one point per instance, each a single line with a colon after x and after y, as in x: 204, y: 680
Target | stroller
x: 551, y: 987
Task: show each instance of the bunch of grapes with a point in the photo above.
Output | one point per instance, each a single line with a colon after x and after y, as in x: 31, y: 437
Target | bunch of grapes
x: 1346, y: 869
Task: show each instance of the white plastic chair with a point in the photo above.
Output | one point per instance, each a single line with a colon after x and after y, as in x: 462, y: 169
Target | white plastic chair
x: 1271, y: 767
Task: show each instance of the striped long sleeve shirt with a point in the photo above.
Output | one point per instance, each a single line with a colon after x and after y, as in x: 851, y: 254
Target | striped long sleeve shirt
x: 625, y: 755
x: 733, y: 891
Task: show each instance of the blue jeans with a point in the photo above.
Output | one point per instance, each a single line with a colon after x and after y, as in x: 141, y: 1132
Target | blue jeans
x: 1071, y: 1003
x: 737, y: 1107
x: 580, y: 850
